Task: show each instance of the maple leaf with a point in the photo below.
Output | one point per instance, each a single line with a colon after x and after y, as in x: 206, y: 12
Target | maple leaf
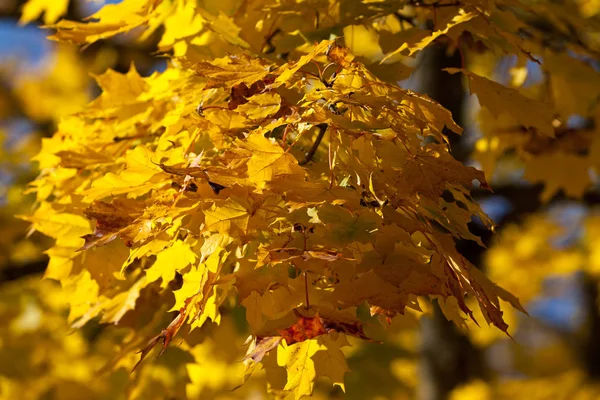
x: 57, y: 224
x: 559, y: 171
x: 260, y: 106
x: 108, y: 21
x: 306, y: 328
x: 138, y: 177
x: 500, y: 99
x: 233, y: 71
x: 307, y: 360
x: 170, y: 261
x: 116, y: 308
x: 305, y: 185
x: 112, y: 220
x: 261, y: 346
x: 286, y: 72
x: 423, y: 39
x: 292, y: 170
x: 182, y: 22
x: 269, y: 161
x: 430, y: 172
x: 227, y: 216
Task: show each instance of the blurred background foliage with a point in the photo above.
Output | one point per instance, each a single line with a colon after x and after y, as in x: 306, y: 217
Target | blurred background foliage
x: 546, y: 249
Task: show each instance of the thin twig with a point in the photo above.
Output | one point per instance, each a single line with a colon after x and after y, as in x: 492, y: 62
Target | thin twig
x: 306, y: 289
x: 284, y: 137
x: 402, y: 18
x: 331, y: 177
x: 435, y: 5
x: 311, y: 153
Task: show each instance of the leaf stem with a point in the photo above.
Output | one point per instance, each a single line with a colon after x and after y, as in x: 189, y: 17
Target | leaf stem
x: 306, y: 289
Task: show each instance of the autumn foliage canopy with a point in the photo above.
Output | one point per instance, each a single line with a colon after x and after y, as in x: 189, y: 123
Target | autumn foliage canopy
x: 277, y: 170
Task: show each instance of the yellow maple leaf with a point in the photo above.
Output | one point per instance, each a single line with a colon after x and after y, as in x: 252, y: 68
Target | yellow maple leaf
x: 430, y: 172
x: 115, y: 308
x: 260, y: 106
x: 559, y: 170
x: 119, y: 89
x: 69, y: 228
x: 83, y: 292
x: 424, y: 38
x: 227, y: 217
x: 362, y: 41
x: 226, y: 119
x: 110, y: 20
x: 169, y: 261
x: 287, y: 71
x: 135, y: 180
x: 307, y: 360
x: 499, y: 99
x: 269, y: 161
x: 230, y: 72
x: 193, y: 282
x: 182, y: 23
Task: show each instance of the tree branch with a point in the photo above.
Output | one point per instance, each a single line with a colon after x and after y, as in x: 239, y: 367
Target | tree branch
x: 435, y: 4
x: 13, y: 272
x: 311, y: 153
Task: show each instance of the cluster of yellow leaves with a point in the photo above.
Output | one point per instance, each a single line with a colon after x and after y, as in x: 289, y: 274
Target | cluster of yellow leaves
x: 31, y: 97
x: 43, y: 357
x: 38, y: 355
x: 14, y: 248
x: 532, y: 119
x: 60, y: 91
x: 383, y: 34
x: 523, y: 258
x: 305, y: 187
x: 530, y: 116
x: 527, y: 253
x: 152, y: 189
x: 568, y: 385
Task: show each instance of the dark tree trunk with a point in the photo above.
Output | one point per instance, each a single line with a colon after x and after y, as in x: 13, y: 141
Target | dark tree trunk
x: 590, y: 345
x: 448, y: 359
